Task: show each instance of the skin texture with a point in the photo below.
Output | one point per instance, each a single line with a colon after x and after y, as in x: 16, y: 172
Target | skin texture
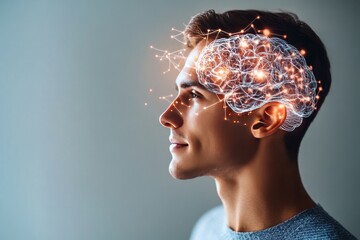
x: 258, y: 182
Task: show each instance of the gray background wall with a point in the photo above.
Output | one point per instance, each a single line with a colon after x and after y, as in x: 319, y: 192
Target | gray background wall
x: 81, y: 157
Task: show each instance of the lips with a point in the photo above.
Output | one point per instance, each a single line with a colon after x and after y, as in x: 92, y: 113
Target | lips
x: 177, y: 140
x: 177, y: 144
x: 174, y: 147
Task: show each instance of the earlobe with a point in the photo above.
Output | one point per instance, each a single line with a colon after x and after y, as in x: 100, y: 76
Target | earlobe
x: 268, y: 119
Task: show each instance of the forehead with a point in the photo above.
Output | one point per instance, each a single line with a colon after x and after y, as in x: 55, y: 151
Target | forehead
x: 188, y: 73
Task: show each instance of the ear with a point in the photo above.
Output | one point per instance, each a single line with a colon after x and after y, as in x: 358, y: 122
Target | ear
x: 268, y: 119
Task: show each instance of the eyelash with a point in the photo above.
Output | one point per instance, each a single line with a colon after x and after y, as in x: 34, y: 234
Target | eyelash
x: 194, y: 94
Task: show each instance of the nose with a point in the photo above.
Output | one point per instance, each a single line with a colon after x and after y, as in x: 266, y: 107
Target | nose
x: 171, y: 117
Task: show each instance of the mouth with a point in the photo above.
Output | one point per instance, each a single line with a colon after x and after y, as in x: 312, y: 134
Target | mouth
x: 177, y: 145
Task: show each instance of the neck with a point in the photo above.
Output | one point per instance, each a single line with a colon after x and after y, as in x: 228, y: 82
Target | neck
x: 265, y: 192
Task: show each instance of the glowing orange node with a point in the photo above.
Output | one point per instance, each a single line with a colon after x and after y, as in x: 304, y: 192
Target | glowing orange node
x: 259, y: 74
x: 266, y: 32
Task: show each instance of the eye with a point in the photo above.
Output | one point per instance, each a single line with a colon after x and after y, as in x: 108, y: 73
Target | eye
x: 194, y: 94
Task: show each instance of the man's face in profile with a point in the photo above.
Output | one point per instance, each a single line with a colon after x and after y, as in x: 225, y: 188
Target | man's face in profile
x: 202, y: 141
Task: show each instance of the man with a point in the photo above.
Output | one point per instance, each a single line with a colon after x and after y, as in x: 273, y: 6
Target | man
x: 251, y: 85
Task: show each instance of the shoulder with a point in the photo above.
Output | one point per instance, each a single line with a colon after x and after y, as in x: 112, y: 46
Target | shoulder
x: 211, y: 225
x: 318, y: 224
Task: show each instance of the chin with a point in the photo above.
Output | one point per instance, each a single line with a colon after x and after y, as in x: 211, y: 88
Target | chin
x: 180, y: 172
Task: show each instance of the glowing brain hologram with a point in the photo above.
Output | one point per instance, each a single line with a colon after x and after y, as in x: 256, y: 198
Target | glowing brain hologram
x: 252, y: 70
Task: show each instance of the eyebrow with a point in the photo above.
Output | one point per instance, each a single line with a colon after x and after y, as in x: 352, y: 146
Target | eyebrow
x: 188, y: 84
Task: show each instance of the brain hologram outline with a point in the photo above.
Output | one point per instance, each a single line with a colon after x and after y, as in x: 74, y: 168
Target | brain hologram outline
x: 252, y: 70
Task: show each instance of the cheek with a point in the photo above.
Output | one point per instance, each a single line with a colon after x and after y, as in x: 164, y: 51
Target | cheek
x: 222, y: 141
x: 209, y: 131
x: 231, y: 141
x: 212, y: 136
x: 198, y: 129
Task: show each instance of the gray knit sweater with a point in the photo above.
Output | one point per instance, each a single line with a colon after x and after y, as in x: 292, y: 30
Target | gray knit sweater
x: 314, y: 223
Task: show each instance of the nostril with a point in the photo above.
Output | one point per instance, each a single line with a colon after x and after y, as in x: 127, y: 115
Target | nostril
x: 169, y: 121
x: 170, y: 118
x: 163, y: 121
x: 168, y: 125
